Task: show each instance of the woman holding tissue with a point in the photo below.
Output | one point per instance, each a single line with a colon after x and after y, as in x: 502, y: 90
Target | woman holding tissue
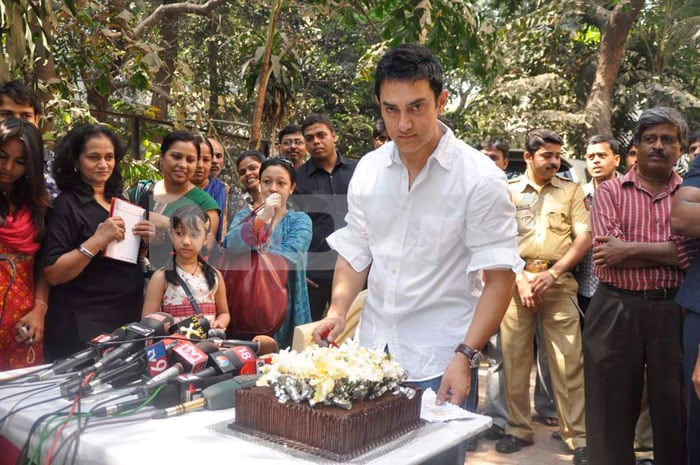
x: 90, y: 294
x: 285, y: 233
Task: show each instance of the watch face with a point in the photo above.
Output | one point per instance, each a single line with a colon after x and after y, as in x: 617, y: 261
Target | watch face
x: 476, y: 359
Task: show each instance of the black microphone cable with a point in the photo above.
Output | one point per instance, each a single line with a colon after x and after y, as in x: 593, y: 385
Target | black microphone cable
x: 23, y: 458
x: 74, y: 440
x: 15, y: 408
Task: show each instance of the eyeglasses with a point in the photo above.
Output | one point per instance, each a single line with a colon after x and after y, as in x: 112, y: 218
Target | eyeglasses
x: 665, y: 140
x: 288, y: 142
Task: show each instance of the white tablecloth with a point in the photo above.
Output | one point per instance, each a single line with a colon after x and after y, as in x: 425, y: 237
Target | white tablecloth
x: 192, y: 437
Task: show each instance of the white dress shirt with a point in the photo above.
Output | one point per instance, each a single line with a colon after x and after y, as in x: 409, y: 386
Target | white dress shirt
x: 426, y: 247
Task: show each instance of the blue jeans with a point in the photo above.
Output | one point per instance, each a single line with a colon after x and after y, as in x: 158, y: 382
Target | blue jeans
x: 691, y: 338
x: 457, y: 454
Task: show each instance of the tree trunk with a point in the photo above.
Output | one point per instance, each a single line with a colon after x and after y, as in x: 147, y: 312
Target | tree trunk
x: 163, y: 80
x: 255, y: 127
x: 614, y: 33
x: 45, y: 71
x: 213, y: 65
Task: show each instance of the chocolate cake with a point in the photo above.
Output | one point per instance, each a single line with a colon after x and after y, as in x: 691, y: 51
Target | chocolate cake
x: 330, y: 431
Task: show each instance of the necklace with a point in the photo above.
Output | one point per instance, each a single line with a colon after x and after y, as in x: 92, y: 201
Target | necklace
x: 194, y: 270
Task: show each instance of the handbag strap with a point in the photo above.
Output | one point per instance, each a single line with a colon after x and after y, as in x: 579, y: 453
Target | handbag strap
x: 190, y: 297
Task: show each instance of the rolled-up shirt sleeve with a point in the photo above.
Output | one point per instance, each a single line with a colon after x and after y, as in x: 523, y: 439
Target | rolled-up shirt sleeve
x: 352, y: 241
x: 605, y: 216
x: 687, y: 249
x: 491, y: 231
x: 580, y: 217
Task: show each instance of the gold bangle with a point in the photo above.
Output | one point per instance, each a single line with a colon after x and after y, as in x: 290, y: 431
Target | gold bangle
x: 554, y: 274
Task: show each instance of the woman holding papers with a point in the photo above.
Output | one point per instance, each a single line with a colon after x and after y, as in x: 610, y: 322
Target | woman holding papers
x: 23, y: 204
x: 91, y: 293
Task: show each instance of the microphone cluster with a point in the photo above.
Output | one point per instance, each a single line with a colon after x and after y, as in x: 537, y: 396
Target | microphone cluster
x: 182, y: 359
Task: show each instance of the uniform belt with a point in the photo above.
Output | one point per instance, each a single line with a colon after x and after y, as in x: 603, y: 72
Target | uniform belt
x: 535, y: 265
x: 651, y: 294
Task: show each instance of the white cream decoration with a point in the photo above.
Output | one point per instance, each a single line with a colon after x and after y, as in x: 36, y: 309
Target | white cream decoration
x: 332, y: 375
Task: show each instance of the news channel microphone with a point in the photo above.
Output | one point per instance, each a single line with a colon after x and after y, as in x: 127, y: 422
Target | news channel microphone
x: 219, y: 396
x: 193, y: 327
x: 152, y: 325
x: 261, y: 345
x: 82, y: 358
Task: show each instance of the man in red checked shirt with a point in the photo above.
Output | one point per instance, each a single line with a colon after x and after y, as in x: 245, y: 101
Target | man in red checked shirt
x: 632, y: 320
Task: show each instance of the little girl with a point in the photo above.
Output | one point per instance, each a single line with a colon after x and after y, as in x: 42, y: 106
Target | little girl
x: 189, y: 228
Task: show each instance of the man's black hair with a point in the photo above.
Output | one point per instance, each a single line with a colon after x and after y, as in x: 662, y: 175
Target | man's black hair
x: 409, y: 62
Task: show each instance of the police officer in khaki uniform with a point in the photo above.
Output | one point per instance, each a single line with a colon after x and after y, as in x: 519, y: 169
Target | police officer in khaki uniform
x: 554, y: 233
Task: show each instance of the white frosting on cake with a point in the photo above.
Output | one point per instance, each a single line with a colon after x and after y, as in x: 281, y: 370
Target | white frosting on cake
x: 331, y: 375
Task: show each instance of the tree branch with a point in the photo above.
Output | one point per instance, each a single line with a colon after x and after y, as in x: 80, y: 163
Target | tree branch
x: 173, y: 9
x: 596, y: 14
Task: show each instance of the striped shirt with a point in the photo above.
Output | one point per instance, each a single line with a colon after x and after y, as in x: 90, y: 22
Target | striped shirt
x: 624, y: 209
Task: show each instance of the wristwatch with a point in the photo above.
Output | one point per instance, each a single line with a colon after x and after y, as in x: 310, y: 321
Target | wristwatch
x: 473, y: 355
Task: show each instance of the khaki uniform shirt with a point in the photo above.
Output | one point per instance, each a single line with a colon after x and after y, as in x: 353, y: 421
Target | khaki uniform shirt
x: 549, y: 217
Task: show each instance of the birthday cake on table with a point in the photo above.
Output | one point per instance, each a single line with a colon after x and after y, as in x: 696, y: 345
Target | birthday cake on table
x: 337, y: 402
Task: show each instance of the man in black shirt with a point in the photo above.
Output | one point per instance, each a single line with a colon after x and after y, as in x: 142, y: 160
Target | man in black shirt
x: 322, y: 186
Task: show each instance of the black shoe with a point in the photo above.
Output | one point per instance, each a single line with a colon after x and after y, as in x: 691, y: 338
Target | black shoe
x: 509, y: 444
x: 494, y: 433
x: 472, y: 444
x: 580, y: 456
x: 646, y: 462
x: 556, y: 435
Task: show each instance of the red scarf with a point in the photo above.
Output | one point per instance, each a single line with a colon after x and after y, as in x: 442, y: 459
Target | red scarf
x: 18, y: 232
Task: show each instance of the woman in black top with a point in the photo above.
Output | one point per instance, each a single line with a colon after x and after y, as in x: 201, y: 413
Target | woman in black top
x: 91, y: 294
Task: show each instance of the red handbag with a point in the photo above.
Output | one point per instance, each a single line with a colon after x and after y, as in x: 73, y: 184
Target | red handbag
x: 256, y: 291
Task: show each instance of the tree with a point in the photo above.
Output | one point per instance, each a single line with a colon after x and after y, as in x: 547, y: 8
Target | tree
x: 615, y: 26
x: 264, y: 76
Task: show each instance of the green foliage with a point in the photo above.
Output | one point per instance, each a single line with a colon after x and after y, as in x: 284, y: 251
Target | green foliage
x: 511, y: 65
x: 146, y: 168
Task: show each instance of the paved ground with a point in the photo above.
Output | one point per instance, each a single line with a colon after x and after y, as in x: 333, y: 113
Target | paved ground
x: 545, y: 451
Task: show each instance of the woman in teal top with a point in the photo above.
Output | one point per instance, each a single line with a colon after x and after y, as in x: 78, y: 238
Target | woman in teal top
x: 178, y: 158
x: 290, y: 238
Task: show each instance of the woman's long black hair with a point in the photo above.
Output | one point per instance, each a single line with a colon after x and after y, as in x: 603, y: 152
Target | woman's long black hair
x: 30, y: 189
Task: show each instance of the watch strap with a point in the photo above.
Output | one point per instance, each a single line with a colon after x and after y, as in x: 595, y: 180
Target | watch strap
x: 473, y: 355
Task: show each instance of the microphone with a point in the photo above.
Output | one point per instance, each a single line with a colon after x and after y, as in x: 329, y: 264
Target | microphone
x: 157, y: 355
x: 123, y: 372
x: 166, y: 398
x: 80, y: 358
x: 161, y: 378
x: 186, y: 357
x: 161, y: 322
x: 237, y: 360
x: 153, y: 324
x: 191, y: 357
x: 219, y: 396
x: 216, y: 333
x: 67, y: 364
x: 261, y: 344
x: 193, y: 327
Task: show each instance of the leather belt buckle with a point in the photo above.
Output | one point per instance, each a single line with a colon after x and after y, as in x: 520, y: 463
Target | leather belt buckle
x: 537, y: 265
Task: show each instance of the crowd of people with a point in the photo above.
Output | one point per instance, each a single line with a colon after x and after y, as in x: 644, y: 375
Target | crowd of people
x: 596, y: 282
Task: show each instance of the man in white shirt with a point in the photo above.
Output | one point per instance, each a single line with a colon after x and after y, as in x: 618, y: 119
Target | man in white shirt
x: 432, y: 216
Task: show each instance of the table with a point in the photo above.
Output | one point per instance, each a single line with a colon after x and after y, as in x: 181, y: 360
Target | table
x: 203, y: 434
